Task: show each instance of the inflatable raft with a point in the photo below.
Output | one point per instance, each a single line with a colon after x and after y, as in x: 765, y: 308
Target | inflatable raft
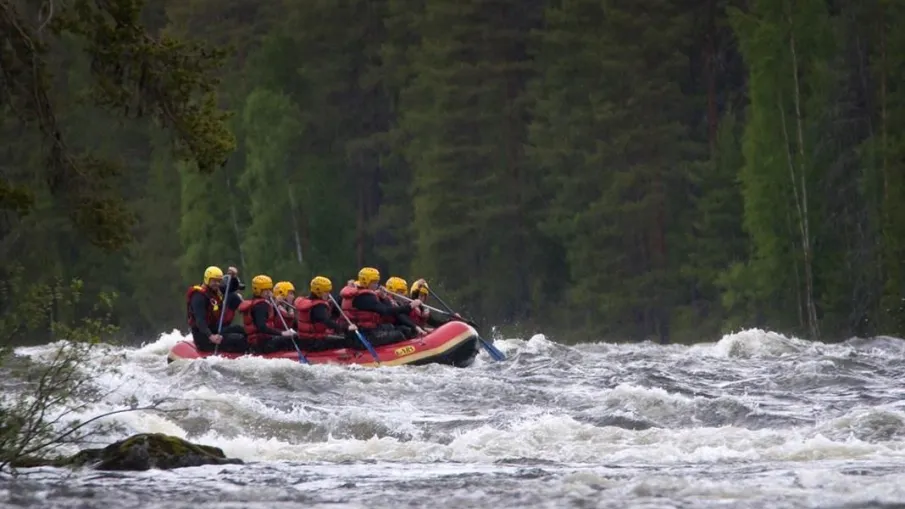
x: 454, y: 344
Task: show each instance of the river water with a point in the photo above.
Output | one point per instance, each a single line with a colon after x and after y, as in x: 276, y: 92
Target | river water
x: 753, y: 419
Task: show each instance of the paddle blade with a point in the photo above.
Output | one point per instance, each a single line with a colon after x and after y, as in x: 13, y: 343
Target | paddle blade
x: 493, y: 351
x: 367, y: 345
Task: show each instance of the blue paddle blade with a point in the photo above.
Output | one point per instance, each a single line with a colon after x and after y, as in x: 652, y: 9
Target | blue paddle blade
x: 493, y: 351
x: 367, y: 345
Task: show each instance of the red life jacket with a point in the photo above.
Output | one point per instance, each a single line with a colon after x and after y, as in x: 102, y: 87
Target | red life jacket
x: 215, y: 300
x: 362, y: 319
x: 288, y: 315
x: 308, y: 329
x: 252, y: 332
x: 389, y: 301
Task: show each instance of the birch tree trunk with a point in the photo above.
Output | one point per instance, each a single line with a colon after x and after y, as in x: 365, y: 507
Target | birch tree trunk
x: 801, y: 195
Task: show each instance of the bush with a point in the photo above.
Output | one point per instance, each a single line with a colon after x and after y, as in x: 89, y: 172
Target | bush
x: 36, y: 417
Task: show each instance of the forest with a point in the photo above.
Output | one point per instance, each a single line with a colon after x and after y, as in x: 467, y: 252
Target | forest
x: 591, y: 169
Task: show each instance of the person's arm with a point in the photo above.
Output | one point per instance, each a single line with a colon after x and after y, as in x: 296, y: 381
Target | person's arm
x: 334, y: 310
x: 259, y: 314
x: 320, y: 314
x: 233, y: 301
x: 369, y: 302
x: 199, y: 312
x: 234, y: 284
x: 435, y: 319
x: 405, y: 319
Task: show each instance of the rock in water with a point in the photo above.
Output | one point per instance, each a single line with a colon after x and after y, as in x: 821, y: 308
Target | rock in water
x: 151, y: 450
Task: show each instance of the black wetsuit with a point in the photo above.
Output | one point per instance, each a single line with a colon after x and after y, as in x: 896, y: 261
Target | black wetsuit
x: 385, y: 334
x: 271, y: 341
x: 320, y: 314
x: 233, y: 335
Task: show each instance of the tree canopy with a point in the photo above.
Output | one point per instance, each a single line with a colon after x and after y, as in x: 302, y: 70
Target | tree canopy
x: 596, y: 170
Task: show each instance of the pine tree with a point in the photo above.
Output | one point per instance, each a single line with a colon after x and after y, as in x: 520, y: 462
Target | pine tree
x: 464, y: 116
x: 273, y: 239
x: 609, y: 136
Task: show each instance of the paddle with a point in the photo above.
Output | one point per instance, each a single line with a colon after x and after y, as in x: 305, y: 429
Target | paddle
x: 222, y: 312
x: 276, y: 309
x: 361, y: 338
x: 493, y: 351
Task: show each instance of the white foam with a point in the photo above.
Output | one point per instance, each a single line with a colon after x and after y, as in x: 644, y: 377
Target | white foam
x: 260, y: 409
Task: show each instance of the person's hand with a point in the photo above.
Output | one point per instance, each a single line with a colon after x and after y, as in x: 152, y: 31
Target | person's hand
x: 288, y: 333
x: 353, y: 327
x: 420, y: 331
x: 416, y: 303
x: 216, y: 339
x: 232, y: 271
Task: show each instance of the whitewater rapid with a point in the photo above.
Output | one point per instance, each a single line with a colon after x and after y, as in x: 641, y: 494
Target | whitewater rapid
x: 755, y: 419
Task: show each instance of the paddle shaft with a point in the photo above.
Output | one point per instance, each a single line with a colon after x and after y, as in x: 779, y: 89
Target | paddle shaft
x: 361, y: 338
x: 449, y: 309
x: 407, y: 299
x: 222, y: 312
x: 276, y: 309
x: 494, y: 352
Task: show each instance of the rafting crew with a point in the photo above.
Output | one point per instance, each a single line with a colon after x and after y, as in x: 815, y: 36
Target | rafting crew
x: 423, y: 316
x: 395, y: 288
x: 273, y: 318
x: 373, y: 313
x: 205, y: 312
x: 409, y: 323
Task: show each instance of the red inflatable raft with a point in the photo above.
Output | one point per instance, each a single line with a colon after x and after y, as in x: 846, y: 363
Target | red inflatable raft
x: 454, y: 344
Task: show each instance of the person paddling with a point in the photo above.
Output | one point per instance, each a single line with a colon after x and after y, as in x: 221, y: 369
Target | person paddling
x: 284, y: 296
x: 204, y: 306
x: 367, y: 310
x: 397, y: 287
x: 421, y: 291
x: 318, y: 328
x: 260, y: 319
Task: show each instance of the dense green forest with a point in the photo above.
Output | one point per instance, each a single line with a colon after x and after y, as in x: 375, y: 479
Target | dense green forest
x: 630, y: 169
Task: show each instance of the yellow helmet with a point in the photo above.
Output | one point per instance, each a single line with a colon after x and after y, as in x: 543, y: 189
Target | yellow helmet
x: 397, y: 285
x: 212, y: 272
x: 283, y: 288
x: 321, y: 285
x: 420, y: 289
x: 368, y: 276
x: 261, y: 283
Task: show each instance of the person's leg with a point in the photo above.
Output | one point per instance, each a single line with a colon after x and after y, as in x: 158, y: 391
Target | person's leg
x: 323, y: 344
x: 234, y: 342
x: 407, y: 331
x: 385, y: 335
x: 275, y: 344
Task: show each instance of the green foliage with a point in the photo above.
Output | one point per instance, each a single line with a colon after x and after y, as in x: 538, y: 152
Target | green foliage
x: 602, y: 103
x: 272, y: 243
x: 38, y: 421
x: 134, y: 74
x: 619, y: 169
x: 464, y: 117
